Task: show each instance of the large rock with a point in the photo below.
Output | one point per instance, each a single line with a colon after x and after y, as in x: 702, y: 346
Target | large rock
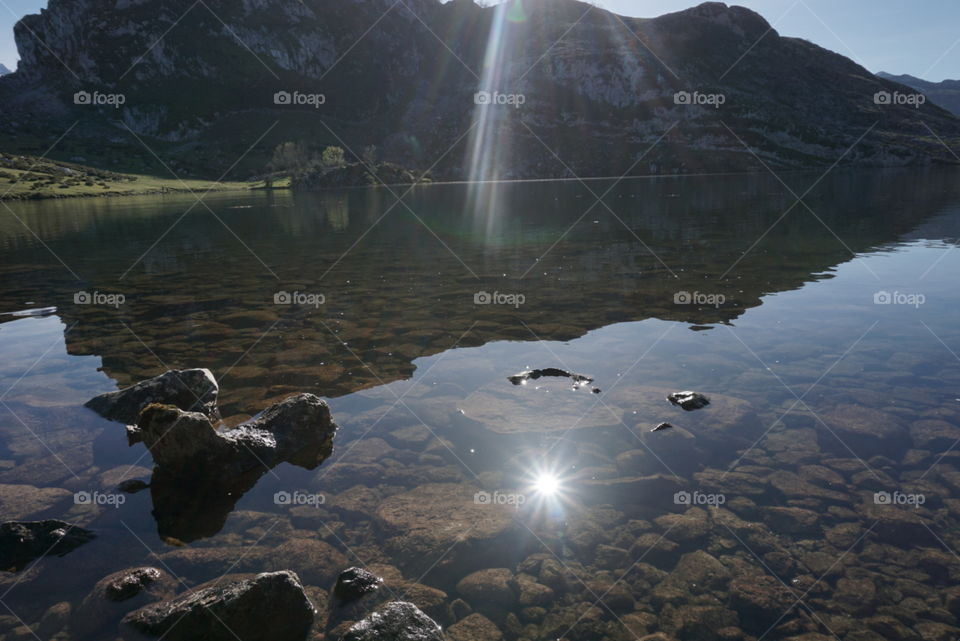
x: 297, y: 430
x: 395, y: 621
x: 447, y: 517
x: 189, y: 389
x: 23, y: 541
x: 864, y: 431
x: 475, y: 627
x: 27, y: 501
x: 268, y: 607
x: 117, y: 594
x: 201, y: 472
x: 492, y: 586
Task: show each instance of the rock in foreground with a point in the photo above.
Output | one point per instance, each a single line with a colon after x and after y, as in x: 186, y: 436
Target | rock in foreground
x: 396, y: 621
x: 189, y: 389
x: 297, y: 430
x: 22, y: 542
x: 268, y: 607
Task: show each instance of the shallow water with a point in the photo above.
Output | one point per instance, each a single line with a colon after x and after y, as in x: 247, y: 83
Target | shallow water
x: 823, y: 398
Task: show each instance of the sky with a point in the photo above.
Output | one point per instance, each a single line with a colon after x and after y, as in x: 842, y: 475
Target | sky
x: 918, y: 37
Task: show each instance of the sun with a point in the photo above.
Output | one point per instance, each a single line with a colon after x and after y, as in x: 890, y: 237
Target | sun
x: 546, y: 484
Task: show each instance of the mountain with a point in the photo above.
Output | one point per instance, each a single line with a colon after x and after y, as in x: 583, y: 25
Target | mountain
x: 572, y: 88
x: 945, y: 93
x: 3, y: 70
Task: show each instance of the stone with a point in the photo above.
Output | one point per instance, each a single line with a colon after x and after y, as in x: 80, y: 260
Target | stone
x: 688, y: 401
x: 699, y: 571
x: 447, y: 516
x: 761, y: 601
x: 864, y: 430
x: 610, y: 557
x: 396, y: 621
x: 117, y: 594
x: 268, y: 607
x: 355, y: 582
x: 934, y: 434
x: 792, y: 520
x: 691, y: 526
x: 187, y: 389
x: 26, y: 501
x: 297, y: 430
x: 494, y: 586
x: 23, y: 541
x: 475, y: 627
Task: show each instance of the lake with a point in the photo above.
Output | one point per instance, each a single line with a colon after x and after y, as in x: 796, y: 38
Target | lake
x: 816, y: 493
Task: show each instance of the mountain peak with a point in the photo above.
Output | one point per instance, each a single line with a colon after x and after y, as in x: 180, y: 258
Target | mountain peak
x: 3, y: 70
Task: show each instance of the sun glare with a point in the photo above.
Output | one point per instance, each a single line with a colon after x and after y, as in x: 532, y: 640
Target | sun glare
x: 546, y: 484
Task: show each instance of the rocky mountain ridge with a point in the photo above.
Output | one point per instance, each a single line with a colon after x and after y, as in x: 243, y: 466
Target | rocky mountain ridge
x: 945, y: 93
x: 531, y: 88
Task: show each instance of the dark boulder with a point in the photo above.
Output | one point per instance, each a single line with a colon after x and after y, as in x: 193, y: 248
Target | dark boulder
x: 689, y: 400
x: 355, y: 582
x: 297, y: 430
x: 268, y: 607
x: 396, y: 621
x: 23, y: 541
x: 189, y: 389
x: 117, y: 594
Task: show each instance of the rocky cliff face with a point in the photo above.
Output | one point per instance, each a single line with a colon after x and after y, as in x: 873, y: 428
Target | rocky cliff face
x: 549, y: 86
x: 945, y: 93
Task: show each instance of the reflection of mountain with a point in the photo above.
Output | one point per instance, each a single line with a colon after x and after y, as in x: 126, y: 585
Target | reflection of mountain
x: 398, y: 294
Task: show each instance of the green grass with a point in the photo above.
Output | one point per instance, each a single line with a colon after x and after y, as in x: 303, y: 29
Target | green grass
x: 28, y: 178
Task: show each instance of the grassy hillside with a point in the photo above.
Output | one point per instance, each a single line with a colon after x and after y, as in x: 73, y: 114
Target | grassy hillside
x: 28, y: 177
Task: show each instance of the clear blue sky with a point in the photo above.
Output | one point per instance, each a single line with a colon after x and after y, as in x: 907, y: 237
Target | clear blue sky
x: 918, y: 37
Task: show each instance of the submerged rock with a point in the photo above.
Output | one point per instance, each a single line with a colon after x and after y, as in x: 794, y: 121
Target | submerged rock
x: 189, y: 389
x: 475, y: 531
x: 117, y: 594
x: 689, y: 400
x: 297, y: 430
x: 355, y: 582
x: 268, y: 607
x: 23, y: 541
x: 396, y: 621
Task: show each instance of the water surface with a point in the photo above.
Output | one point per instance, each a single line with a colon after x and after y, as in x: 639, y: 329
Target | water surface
x: 825, y: 333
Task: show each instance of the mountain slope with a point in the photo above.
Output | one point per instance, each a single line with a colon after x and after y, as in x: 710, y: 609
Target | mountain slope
x: 588, y: 92
x: 3, y: 70
x: 945, y: 93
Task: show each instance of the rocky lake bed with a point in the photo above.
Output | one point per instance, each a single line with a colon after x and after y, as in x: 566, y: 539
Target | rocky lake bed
x: 367, y: 469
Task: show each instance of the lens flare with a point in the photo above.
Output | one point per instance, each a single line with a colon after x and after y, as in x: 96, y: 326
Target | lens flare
x: 546, y: 484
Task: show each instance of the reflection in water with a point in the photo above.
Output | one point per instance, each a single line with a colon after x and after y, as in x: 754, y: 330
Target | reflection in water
x: 820, y: 398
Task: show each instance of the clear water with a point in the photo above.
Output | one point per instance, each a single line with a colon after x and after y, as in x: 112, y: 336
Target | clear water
x: 838, y: 397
